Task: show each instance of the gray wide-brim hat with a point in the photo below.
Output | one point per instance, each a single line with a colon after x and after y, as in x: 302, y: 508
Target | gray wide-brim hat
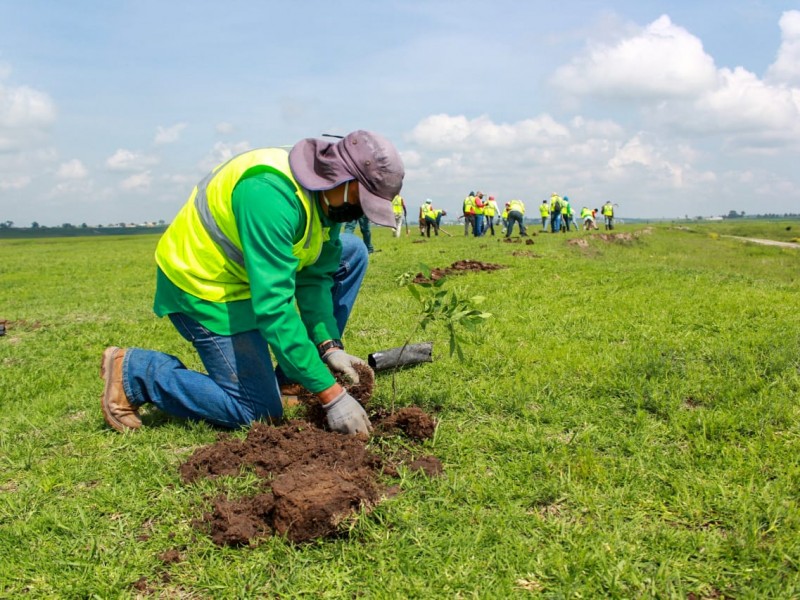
x: 367, y: 157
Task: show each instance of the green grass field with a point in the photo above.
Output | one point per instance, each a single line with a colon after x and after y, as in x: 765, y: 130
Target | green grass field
x: 625, y: 426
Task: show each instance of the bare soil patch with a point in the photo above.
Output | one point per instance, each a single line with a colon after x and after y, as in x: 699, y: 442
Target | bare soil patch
x: 458, y: 267
x: 313, y: 482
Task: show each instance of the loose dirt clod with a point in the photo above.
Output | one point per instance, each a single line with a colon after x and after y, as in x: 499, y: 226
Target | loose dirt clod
x: 460, y: 266
x: 412, y: 421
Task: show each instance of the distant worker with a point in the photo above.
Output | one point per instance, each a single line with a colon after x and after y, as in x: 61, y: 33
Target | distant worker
x: 568, y: 214
x: 555, y: 212
x: 516, y: 212
x: 480, y: 205
x: 400, y: 214
x: 608, y: 214
x: 422, y: 210
x: 489, y: 212
x: 469, y: 213
x: 504, y: 217
x: 588, y: 219
x: 433, y: 218
x: 544, y: 212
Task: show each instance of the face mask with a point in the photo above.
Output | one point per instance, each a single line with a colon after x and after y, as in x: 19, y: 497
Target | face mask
x: 346, y: 212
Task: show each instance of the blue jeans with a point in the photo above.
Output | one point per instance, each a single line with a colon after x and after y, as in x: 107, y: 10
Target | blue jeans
x: 515, y: 216
x: 555, y: 222
x: 241, y: 384
x: 366, y: 231
x: 478, y: 229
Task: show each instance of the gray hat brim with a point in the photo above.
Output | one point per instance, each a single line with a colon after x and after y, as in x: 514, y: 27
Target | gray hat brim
x: 320, y: 165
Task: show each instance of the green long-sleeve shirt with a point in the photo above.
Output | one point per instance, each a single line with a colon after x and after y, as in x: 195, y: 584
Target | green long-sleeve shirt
x: 270, y: 219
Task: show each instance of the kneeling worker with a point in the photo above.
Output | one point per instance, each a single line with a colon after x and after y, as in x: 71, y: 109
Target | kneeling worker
x: 259, y: 234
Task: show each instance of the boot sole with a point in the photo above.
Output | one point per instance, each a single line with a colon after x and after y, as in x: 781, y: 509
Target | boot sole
x: 106, y: 366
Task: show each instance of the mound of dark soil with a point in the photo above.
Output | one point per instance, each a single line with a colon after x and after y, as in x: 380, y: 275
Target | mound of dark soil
x: 412, y: 421
x: 460, y: 266
x: 314, y: 481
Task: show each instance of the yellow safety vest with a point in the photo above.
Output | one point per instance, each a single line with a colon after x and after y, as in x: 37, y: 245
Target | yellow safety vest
x: 397, y: 205
x: 544, y: 210
x: 490, y: 209
x: 469, y: 205
x: 585, y: 213
x: 608, y: 210
x: 201, y: 251
x: 516, y: 205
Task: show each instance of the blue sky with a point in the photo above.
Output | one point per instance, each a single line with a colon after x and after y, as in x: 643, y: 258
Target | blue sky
x: 111, y: 111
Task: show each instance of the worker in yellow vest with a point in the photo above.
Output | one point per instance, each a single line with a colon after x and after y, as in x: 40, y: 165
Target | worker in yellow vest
x: 567, y: 214
x: 504, y: 217
x: 556, y: 204
x: 489, y: 213
x: 608, y: 213
x: 433, y: 218
x: 400, y: 214
x: 516, y: 212
x: 480, y: 205
x: 254, y: 262
x: 422, y: 212
x: 469, y: 213
x: 588, y: 218
x: 544, y: 212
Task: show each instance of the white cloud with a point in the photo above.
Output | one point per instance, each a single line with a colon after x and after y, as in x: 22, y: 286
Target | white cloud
x: 25, y: 115
x: 663, y: 61
x: 72, y: 169
x: 14, y: 182
x: 137, y: 182
x: 444, y: 131
x: 678, y: 88
x: 786, y: 67
x: 168, y: 135
x: 127, y: 160
x: 22, y: 107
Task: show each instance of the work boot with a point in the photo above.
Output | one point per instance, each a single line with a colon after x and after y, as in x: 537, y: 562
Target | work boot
x: 118, y: 412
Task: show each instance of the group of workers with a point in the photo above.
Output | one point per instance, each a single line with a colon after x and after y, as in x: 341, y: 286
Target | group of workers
x: 480, y: 216
x: 561, y: 215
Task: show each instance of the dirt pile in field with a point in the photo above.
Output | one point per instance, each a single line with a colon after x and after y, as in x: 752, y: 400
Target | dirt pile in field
x: 313, y: 482
x: 458, y: 267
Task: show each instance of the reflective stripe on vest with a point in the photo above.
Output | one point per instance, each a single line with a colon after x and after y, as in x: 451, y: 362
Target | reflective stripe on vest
x: 201, y: 251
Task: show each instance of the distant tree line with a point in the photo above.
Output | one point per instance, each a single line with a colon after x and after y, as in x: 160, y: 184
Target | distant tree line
x: 740, y: 215
x: 7, y: 229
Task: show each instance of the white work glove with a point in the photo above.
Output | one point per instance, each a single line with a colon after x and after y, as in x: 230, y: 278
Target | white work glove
x: 345, y: 415
x: 340, y: 361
